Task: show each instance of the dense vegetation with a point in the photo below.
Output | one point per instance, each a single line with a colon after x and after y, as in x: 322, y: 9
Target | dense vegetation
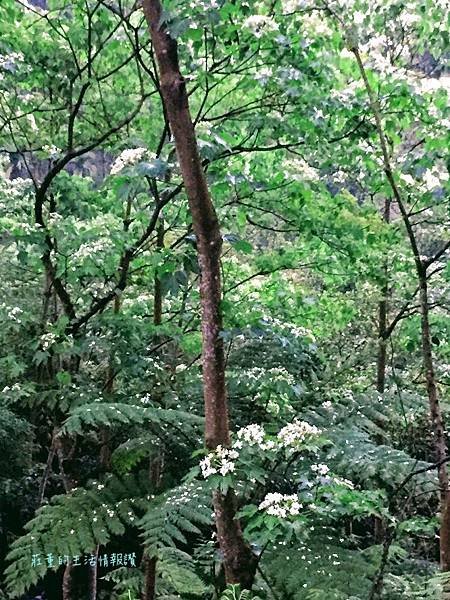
x: 225, y: 295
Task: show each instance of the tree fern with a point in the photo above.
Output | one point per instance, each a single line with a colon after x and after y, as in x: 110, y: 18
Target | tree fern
x: 324, y: 567
x: 74, y: 524
x: 177, y: 571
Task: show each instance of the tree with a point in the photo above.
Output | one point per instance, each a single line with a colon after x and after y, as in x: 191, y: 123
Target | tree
x: 239, y: 562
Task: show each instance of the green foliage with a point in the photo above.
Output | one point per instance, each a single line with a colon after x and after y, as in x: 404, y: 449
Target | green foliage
x: 233, y: 592
x: 176, y: 514
x: 74, y: 524
x: 100, y: 298
x: 101, y: 414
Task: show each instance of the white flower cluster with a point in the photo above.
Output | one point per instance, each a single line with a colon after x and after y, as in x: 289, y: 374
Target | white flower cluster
x: 281, y: 505
x: 220, y: 461
x: 344, y: 482
x: 47, y: 340
x: 294, y: 434
x: 299, y: 170
x: 128, y: 158
x: 258, y: 374
x: 52, y: 151
x: 89, y: 249
x: 14, y: 313
x: 433, y: 84
x: 320, y: 469
x: 295, y: 330
x: 253, y: 435
x: 263, y: 75
x: 291, y: 6
x: 260, y: 25
x: 8, y: 61
x: 435, y: 178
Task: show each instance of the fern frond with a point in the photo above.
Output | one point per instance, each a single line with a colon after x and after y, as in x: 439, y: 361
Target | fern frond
x: 178, y: 512
x: 103, y: 414
x: 177, y: 569
x: 72, y: 525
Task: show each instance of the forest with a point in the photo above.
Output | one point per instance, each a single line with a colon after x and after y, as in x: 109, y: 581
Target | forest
x: 224, y: 300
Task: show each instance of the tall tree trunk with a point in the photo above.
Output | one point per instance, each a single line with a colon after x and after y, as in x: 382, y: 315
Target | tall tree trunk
x: 437, y: 422
x: 238, y: 559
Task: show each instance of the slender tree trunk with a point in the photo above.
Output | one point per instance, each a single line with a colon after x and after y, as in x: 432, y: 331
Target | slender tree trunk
x: 149, y: 589
x: 438, y: 428
x: 92, y: 582
x: 48, y: 468
x: 382, y: 316
x: 68, y: 485
x: 238, y: 559
x: 104, y: 457
x: 157, y: 289
x: 379, y: 525
x: 67, y: 583
x: 437, y: 422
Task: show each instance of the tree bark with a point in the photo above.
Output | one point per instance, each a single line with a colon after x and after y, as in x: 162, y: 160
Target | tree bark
x: 238, y: 559
x: 148, y: 592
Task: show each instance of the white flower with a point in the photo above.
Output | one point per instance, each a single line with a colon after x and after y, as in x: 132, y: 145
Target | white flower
x: 344, y: 482
x: 320, y: 469
x: 263, y: 75
x: 227, y: 466
x: 299, y: 170
x: 14, y: 313
x: 260, y: 25
x: 53, y: 151
x: 430, y: 180
x: 220, y: 461
x: 268, y: 445
x: 407, y: 18
x: 407, y: 179
x: 252, y: 434
x: 47, y: 340
x: 295, y: 433
x: 281, y: 505
x: 127, y: 158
